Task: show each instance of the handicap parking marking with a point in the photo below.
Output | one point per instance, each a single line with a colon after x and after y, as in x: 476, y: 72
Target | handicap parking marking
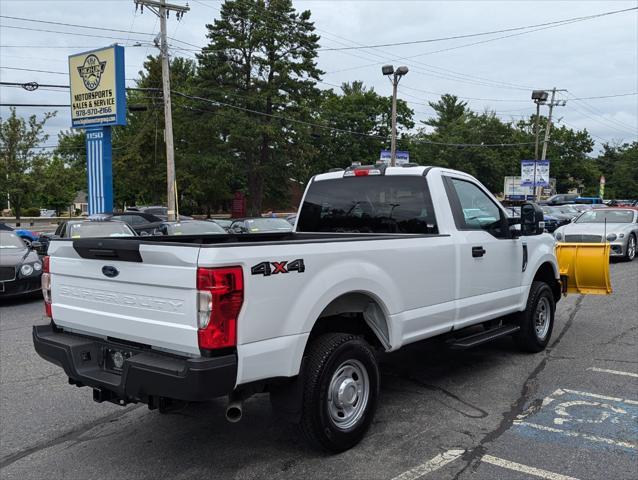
x: 585, y: 419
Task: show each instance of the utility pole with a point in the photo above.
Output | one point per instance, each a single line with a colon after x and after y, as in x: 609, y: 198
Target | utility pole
x: 388, y: 70
x: 162, y: 10
x: 552, y: 103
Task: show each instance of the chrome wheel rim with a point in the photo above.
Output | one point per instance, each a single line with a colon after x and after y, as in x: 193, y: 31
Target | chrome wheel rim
x: 542, y: 317
x: 631, y: 248
x: 348, y: 394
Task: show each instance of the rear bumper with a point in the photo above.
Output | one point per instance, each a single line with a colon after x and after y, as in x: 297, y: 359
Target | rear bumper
x: 146, y: 376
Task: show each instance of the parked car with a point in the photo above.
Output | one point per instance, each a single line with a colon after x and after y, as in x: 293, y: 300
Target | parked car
x: 27, y: 235
x: 86, y: 229
x: 158, y: 211
x: 589, y: 200
x: 559, y: 217
x: 618, y: 226
x: 189, y: 227
x: 260, y: 225
x: 20, y: 266
x: 302, y: 315
x: 143, y: 223
x: 561, y: 199
x: 222, y: 222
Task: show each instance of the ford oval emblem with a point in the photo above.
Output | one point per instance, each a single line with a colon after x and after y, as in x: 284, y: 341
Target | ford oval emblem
x: 110, y: 271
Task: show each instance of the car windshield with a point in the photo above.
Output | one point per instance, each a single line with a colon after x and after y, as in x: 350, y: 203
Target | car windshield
x: 609, y: 216
x: 222, y: 222
x: 268, y: 225
x: 100, y: 229
x: 190, y: 228
x: 10, y: 241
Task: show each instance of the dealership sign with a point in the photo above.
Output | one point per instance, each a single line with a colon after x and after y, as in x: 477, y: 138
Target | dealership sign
x: 98, y: 95
x: 402, y: 157
x: 535, y: 173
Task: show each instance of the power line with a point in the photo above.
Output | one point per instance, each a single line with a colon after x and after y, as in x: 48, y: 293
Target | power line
x: 605, y: 96
x: 74, y: 25
x: 72, y: 33
x: 456, y: 37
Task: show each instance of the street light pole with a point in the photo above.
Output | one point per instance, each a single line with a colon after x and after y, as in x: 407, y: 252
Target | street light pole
x: 396, y: 76
x: 393, y: 141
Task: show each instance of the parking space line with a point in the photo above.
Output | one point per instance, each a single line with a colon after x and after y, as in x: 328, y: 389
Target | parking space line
x: 569, y: 433
x: 519, y: 467
x: 431, y: 465
x: 614, y: 372
x: 601, y: 397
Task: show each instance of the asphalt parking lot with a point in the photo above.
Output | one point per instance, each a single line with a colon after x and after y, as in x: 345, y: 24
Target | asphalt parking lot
x: 570, y: 412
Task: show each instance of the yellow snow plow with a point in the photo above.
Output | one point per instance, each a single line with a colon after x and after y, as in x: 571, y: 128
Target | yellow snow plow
x: 584, y: 268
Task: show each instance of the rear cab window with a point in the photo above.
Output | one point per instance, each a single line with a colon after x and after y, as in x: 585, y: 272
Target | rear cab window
x: 369, y: 204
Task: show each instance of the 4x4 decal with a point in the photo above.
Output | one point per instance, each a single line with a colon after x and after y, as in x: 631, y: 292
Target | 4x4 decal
x: 272, y: 268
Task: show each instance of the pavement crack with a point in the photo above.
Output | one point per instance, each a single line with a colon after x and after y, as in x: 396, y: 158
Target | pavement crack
x: 472, y: 456
x: 480, y: 413
x: 72, y: 435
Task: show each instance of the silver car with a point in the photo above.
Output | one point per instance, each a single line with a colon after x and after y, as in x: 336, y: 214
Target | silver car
x: 618, y: 226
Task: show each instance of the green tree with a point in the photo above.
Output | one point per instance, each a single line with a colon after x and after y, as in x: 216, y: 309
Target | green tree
x: 261, y: 57
x: 619, y: 164
x: 361, y: 110
x: 18, y: 153
x: 57, y: 183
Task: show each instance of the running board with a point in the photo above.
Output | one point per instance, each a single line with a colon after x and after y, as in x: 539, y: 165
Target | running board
x: 483, y: 337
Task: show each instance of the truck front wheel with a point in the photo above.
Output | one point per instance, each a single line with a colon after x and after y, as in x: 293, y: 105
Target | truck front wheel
x: 340, y: 391
x: 537, y: 320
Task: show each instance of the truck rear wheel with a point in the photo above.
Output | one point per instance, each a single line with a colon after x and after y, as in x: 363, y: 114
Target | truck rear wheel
x: 340, y: 391
x: 537, y: 320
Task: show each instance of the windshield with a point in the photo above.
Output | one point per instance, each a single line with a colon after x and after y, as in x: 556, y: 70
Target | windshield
x: 268, y: 225
x: 100, y: 229
x: 10, y: 241
x: 368, y: 204
x: 189, y: 228
x: 609, y: 216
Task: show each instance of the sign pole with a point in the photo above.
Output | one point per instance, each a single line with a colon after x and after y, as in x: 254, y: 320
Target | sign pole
x: 99, y: 170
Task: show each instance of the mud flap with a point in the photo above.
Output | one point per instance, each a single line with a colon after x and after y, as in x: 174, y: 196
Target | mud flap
x: 584, y: 268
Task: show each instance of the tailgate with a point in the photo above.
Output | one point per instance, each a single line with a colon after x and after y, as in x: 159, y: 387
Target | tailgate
x: 128, y: 290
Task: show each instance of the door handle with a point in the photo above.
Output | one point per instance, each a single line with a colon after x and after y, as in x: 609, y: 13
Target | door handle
x: 478, y: 251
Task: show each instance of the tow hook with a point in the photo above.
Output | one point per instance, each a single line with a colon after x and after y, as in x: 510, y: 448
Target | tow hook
x: 100, y: 395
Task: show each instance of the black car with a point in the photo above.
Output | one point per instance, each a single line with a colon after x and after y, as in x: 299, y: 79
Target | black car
x: 20, y: 266
x: 143, y: 223
x: 87, y: 228
x: 157, y: 210
x: 222, y: 222
x: 190, y: 227
x: 260, y: 225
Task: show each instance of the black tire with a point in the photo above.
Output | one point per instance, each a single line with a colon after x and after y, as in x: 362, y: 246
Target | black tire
x: 325, y: 356
x: 528, y: 338
x: 630, y: 253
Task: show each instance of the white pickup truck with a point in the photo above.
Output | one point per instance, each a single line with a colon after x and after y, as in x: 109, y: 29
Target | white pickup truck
x: 379, y: 258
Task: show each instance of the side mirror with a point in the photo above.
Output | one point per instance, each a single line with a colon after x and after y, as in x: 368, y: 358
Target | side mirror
x: 36, y: 245
x: 532, y: 219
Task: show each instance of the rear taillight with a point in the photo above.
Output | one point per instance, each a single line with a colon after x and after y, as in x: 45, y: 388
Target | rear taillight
x: 220, y: 295
x: 46, y: 286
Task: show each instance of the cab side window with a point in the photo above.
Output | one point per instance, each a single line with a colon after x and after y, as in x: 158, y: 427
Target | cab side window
x: 473, y: 209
